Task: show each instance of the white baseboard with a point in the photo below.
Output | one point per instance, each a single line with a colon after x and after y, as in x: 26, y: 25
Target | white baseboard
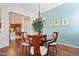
x: 68, y: 45
x: 4, y: 46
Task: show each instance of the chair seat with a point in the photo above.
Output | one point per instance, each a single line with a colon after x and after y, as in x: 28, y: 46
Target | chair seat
x: 43, y: 50
x: 54, y: 43
x: 25, y: 44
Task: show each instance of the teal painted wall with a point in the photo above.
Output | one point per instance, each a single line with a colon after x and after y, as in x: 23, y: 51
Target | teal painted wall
x: 67, y: 34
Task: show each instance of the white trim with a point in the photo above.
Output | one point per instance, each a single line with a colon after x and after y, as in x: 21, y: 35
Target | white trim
x: 68, y: 45
x: 4, y: 46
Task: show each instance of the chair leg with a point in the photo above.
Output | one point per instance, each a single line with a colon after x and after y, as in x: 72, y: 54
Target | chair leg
x: 48, y: 50
x: 22, y: 49
x: 29, y: 47
x: 55, y: 49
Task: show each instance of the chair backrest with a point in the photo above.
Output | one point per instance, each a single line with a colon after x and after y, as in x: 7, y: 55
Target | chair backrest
x: 24, y: 36
x: 55, y: 36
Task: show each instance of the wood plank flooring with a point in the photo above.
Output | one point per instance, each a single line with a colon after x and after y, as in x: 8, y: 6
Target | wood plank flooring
x: 15, y: 50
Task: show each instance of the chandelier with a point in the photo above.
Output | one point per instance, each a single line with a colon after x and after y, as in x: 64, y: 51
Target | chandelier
x: 39, y: 17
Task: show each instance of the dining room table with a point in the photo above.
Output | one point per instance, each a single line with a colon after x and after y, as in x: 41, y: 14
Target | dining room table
x: 36, y: 39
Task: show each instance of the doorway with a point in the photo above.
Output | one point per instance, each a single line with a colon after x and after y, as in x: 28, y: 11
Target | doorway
x: 18, y: 23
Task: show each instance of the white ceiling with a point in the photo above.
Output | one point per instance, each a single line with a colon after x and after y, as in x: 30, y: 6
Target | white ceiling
x: 34, y: 7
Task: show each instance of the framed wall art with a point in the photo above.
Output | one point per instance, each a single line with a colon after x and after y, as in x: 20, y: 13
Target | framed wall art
x: 51, y: 23
x: 48, y: 22
x: 65, y: 21
x: 44, y: 23
x: 57, y: 22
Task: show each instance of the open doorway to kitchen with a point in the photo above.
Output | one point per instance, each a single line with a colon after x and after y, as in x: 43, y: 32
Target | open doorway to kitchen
x: 17, y: 23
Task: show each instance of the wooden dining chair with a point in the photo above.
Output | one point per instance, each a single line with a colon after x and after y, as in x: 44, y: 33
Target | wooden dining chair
x: 25, y: 40
x: 36, y: 49
x: 52, y: 42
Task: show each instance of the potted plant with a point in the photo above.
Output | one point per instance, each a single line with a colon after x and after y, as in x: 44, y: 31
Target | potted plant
x: 38, y: 25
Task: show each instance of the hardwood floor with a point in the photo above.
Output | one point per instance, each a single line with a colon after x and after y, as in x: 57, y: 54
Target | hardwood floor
x: 15, y: 50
